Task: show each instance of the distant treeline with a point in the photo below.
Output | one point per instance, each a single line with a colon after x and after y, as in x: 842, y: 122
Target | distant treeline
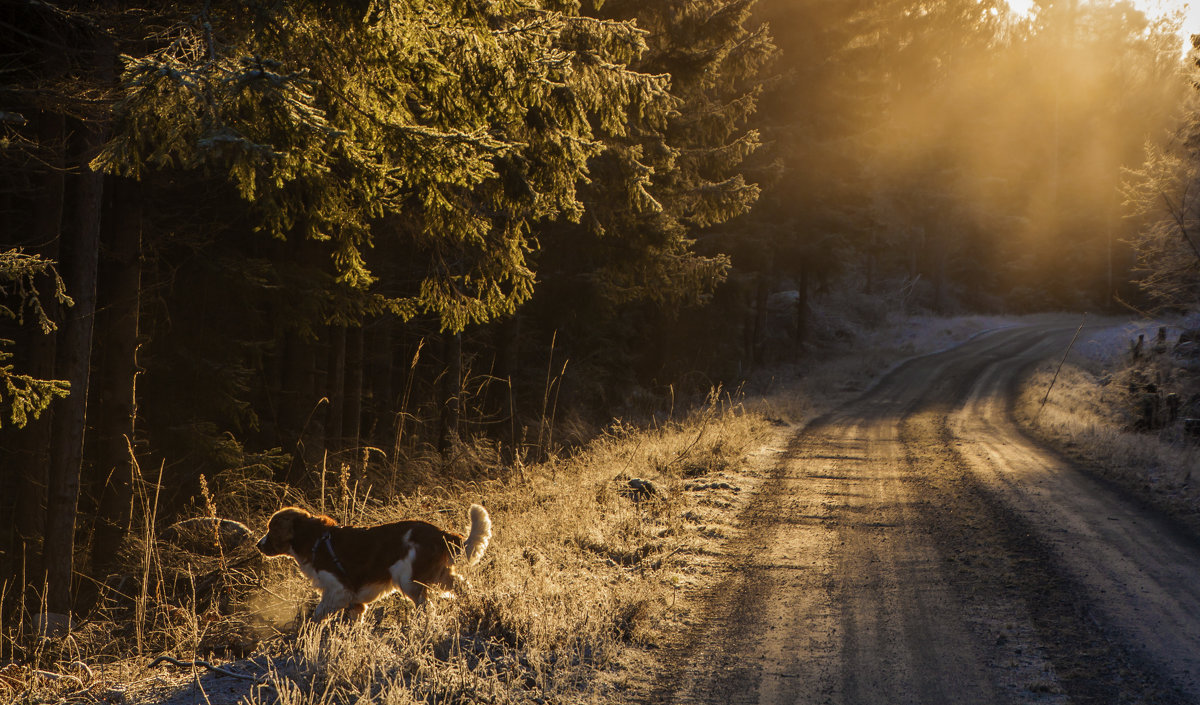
x: 280, y: 236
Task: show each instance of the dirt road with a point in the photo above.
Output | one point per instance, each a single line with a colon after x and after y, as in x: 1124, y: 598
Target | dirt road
x: 916, y: 547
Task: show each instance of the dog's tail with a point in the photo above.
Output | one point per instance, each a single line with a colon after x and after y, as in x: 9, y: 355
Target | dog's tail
x: 477, y: 539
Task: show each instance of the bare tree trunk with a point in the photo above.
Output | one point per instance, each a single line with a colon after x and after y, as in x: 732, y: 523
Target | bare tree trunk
x: 335, y: 384
x: 31, y: 445
x: 298, y: 400
x: 80, y: 251
x: 116, y: 369
x: 25, y: 456
x: 802, y: 306
x: 451, y: 388
x: 761, y: 294
x: 379, y: 378
x: 352, y: 412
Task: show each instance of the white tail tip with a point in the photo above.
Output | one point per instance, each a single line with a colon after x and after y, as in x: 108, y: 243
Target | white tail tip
x: 479, y: 536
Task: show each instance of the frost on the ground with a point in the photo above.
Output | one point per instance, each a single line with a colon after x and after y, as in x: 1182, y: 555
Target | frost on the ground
x: 1110, y: 345
x: 928, y: 334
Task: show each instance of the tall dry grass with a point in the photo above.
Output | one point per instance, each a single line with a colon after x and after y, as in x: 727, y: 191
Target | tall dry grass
x: 582, y: 566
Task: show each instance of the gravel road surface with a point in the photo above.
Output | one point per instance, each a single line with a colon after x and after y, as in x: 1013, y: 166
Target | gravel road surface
x: 916, y: 547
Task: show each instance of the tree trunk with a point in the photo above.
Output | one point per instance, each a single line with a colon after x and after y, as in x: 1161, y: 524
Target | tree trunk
x: 802, y: 307
x: 451, y: 389
x: 298, y: 401
x: 379, y: 377
x: 352, y: 411
x: 335, y: 385
x: 761, y: 294
x: 80, y: 251
x: 25, y: 457
x: 657, y: 349
x: 116, y: 369
x: 31, y: 445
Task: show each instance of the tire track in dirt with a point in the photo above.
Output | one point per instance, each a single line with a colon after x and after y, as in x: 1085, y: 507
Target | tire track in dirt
x: 1139, y: 570
x: 875, y: 567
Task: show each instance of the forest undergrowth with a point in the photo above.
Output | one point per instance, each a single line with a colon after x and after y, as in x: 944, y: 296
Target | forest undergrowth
x: 596, y: 557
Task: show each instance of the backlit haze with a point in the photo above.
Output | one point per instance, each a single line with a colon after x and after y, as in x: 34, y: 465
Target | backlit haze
x: 995, y: 158
x: 1152, y: 8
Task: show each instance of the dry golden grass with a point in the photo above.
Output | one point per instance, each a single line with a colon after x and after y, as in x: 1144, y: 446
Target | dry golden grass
x: 581, y: 566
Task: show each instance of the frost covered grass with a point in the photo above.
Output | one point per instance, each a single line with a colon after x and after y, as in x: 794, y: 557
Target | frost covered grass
x: 1090, y: 417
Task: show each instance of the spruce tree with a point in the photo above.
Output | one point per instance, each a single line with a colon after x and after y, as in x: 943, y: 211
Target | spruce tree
x: 615, y: 281
x: 440, y: 133
x: 637, y: 239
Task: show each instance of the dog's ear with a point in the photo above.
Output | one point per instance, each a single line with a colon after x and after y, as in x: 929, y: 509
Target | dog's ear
x: 282, y: 525
x: 324, y: 520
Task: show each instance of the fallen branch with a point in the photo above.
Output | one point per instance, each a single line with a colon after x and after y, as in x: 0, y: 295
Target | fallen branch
x: 51, y: 675
x: 205, y: 664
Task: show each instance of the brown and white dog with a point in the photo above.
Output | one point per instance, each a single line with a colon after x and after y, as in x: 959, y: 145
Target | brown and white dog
x: 354, y: 566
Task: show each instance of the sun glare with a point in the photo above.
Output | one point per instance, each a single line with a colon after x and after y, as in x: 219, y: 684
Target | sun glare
x: 1152, y: 8
x: 1021, y: 7
x: 1190, y: 11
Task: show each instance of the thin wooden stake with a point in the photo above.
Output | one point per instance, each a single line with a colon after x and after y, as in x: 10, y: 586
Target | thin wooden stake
x: 1060, y: 366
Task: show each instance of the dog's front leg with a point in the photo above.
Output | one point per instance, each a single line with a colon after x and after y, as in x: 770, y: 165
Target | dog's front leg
x: 330, y: 602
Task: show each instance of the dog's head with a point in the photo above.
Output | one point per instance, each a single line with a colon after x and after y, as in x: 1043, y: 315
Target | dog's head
x: 283, y: 527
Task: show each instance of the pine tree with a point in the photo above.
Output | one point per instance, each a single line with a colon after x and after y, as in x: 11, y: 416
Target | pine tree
x: 1162, y: 199
x: 820, y: 105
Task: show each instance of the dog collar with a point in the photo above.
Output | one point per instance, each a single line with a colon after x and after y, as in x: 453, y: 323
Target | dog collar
x: 326, y: 541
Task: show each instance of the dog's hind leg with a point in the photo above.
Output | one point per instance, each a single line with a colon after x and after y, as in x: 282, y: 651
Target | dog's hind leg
x: 402, y: 577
